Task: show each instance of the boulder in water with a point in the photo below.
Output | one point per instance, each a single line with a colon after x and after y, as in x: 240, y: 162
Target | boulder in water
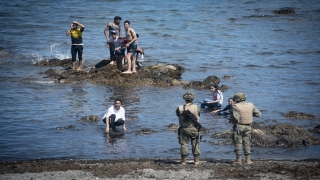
x: 299, y: 115
x: 90, y: 118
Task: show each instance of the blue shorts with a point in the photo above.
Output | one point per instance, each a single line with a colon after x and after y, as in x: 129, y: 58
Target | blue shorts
x: 132, y: 48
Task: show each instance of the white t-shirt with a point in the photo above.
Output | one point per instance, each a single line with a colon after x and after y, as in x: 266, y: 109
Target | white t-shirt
x: 119, y: 113
x: 216, y: 95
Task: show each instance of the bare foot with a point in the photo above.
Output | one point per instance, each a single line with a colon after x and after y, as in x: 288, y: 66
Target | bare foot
x: 127, y: 72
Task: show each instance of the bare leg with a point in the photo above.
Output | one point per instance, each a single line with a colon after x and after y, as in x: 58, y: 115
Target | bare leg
x: 128, y: 57
x: 133, y: 64
x: 73, y: 65
x: 80, y: 64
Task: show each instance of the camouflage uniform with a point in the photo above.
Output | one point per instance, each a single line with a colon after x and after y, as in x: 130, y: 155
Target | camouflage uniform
x: 187, y: 129
x: 242, y: 118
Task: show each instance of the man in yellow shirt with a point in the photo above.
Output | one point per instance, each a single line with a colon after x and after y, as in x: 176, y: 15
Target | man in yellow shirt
x: 76, y: 30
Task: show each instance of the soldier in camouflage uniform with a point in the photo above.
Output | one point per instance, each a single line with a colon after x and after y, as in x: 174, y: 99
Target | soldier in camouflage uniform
x: 242, y: 113
x: 187, y: 129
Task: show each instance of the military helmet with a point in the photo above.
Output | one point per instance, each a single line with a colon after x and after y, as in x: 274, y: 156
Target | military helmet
x: 240, y: 97
x: 188, y: 96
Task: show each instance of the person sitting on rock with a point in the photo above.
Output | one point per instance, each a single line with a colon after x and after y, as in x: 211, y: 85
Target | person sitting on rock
x: 228, y: 107
x: 115, y: 116
x: 242, y: 113
x: 217, y: 98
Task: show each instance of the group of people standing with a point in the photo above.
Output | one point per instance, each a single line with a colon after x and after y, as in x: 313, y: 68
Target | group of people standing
x: 241, y: 116
x: 120, y: 48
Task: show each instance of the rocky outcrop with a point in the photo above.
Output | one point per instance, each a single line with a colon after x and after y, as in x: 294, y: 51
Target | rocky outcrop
x: 279, y: 135
x: 315, y: 129
x: 90, y: 118
x: 205, y: 83
x: 298, y: 115
x: 144, y: 131
x: 284, y: 11
x: 103, y: 73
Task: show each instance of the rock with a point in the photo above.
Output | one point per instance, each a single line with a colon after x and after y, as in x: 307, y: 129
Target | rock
x: 223, y: 88
x: 66, y: 127
x: 55, y: 62
x: 90, y: 118
x: 315, y: 129
x: 203, y: 84
x: 4, y: 53
x: 144, y: 131
x: 103, y: 73
x: 279, y: 135
x: 211, y: 80
x: 284, y: 11
x: 299, y: 115
x: 226, y: 77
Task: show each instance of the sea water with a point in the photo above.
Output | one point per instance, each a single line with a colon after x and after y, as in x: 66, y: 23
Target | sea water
x: 274, y: 59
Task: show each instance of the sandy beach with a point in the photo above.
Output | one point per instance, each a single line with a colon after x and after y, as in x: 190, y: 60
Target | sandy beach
x: 159, y: 169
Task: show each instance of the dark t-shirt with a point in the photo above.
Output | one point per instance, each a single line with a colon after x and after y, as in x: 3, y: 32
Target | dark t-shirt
x: 76, y: 35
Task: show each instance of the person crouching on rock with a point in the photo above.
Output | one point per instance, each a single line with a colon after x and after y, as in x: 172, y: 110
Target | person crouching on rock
x: 217, y: 98
x: 242, y: 113
x: 187, y: 129
x: 119, y: 48
x: 115, y: 116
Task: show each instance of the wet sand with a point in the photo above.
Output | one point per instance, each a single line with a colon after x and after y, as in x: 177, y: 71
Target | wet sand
x: 159, y: 169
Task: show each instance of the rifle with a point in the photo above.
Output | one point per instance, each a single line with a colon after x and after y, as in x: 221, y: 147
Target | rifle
x: 191, y: 117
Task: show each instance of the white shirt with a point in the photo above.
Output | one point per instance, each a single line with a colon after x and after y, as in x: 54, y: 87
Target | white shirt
x: 119, y: 113
x: 220, y: 94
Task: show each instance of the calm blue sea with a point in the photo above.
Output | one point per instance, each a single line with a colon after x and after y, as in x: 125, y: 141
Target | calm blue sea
x: 275, y: 59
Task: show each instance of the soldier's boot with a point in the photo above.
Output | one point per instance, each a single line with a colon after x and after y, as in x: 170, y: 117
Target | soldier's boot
x: 196, y: 160
x: 238, y: 160
x: 183, y: 160
x: 248, y: 161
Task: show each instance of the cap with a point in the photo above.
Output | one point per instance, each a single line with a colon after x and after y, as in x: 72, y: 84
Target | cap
x: 113, y: 32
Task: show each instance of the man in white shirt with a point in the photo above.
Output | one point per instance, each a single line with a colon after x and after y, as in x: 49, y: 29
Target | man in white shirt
x: 115, y: 116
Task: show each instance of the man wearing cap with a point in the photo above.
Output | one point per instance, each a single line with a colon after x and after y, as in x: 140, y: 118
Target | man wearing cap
x: 187, y: 129
x: 242, y: 113
x: 119, y: 48
x: 76, y: 30
x: 113, y: 26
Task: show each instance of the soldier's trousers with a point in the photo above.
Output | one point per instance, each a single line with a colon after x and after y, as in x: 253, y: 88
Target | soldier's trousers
x: 242, y: 139
x: 187, y: 133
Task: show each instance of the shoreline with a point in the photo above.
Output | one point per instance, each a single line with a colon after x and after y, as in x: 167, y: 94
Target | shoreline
x: 159, y: 169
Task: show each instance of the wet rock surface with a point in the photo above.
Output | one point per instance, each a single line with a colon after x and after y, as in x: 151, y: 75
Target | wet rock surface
x: 91, y: 118
x: 65, y: 127
x: 299, y: 115
x: 144, y: 131
x: 315, y: 129
x: 284, y: 11
x: 205, y: 83
x: 159, y: 169
x: 279, y: 135
x: 104, y: 73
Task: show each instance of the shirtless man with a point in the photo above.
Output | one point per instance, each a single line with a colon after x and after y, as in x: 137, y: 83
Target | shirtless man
x: 131, y: 46
x: 113, y: 26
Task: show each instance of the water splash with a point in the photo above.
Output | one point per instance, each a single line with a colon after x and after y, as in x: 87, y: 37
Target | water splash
x: 56, y: 53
